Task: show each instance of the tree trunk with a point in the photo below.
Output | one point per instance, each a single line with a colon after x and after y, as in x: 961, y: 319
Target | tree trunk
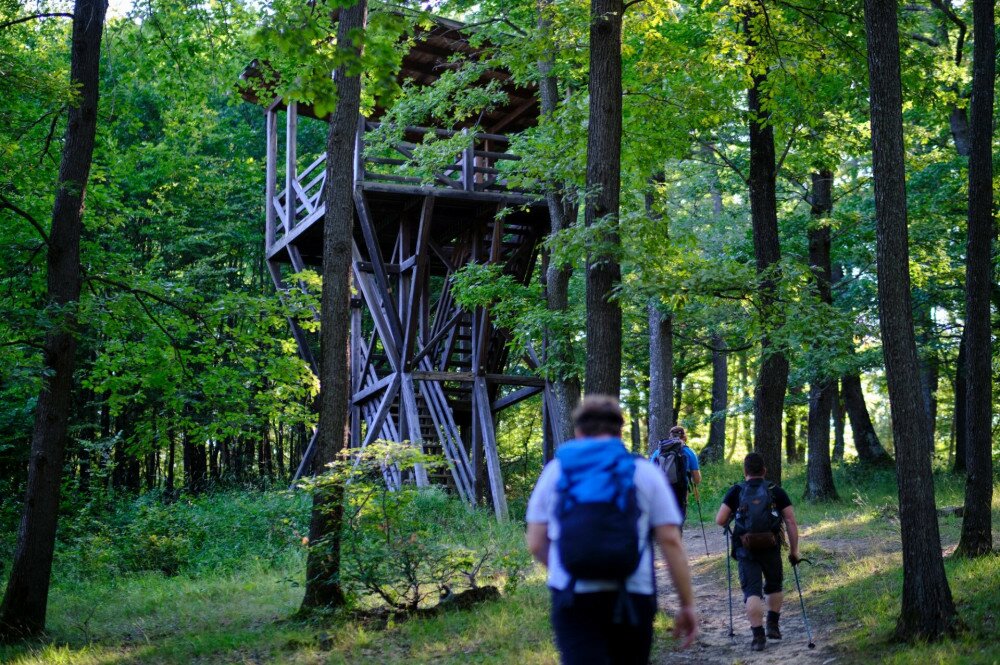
x: 171, y: 451
x: 678, y: 398
x: 791, y: 434
x: 22, y: 612
x: 838, y: 424
x: 823, y: 390
x: 195, y: 480
x: 769, y: 393
x: 977, y: 531
x: 928, y: 611
x: 323, y: 587
x: 819, y: 474
x: 715, y: 449
x: 559, y: 343
x: 866, y: 440
x: 661, y: 374
x: 604, y: 133
x: 961, y: 391
x: 959, y: 123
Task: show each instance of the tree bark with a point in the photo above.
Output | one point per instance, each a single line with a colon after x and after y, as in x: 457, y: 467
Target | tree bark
x: 715, y: 449
x: 959, y: 417
x: 604, y: 133
x: 564, y: 384
x: 769, y: 393
x: 977, y: 531
x: 323, y: 587
x: 791, y: 425
x: 678, y: 397
x: 838, y: 424
x: 927, y: 611
x: 661, y: 374
x: 866, y: 440
x: 22, y: 612
x: 823, y: 390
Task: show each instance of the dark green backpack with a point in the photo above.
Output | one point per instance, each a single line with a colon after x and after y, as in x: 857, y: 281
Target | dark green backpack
x: 758, y: 522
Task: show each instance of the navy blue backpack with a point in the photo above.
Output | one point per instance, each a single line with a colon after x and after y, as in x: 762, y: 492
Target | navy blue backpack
x: 598, y: 511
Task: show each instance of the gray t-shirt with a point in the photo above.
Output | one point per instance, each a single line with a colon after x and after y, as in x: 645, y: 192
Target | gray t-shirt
x: 657, y: 507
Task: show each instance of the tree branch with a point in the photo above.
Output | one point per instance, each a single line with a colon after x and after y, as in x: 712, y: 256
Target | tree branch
x: 6, y: 203
x: 962, y: 27
x: 25, y: 19
x: 725, y: 159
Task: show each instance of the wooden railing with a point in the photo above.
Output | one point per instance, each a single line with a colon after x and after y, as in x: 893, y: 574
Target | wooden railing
x: 475, y: 168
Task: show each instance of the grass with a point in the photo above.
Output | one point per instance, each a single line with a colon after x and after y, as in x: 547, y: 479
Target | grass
x: 235, y: 600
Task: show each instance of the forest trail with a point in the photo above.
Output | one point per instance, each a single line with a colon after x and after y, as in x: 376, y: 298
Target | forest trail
x: 714, y: 644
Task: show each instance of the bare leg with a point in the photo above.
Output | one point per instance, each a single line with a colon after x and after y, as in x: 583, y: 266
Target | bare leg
x: 755, y: 611
x: 774, y: 601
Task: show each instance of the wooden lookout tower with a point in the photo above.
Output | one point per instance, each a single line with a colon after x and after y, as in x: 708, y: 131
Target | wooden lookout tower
x: 423, y: 369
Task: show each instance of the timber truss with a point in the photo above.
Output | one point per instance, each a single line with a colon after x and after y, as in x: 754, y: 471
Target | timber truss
x: 423, y: 369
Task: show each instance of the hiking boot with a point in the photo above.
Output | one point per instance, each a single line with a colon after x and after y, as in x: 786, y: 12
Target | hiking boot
x: 758, y: 644
x: 773, y: 632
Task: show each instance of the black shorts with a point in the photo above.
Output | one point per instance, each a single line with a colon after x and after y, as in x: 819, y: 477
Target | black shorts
x: 587, y: 635
x: 764, y: 564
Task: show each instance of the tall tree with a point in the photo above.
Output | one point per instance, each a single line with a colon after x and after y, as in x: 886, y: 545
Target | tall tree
x: 604, y: 137
x: 660, y: 413
x: 24, y: 604
x: 716, y: 446
x: 565, y: 386
x: 323, y: 587
x: 772, y: 380
x: 977, y: 533
x: 823, y: 390
x: 928, y: 611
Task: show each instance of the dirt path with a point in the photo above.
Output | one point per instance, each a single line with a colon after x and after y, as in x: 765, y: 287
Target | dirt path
x: 714, y: 644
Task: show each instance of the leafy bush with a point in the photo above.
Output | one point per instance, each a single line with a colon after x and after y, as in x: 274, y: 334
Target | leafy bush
x: 220, y: 532
x: 403, y: 546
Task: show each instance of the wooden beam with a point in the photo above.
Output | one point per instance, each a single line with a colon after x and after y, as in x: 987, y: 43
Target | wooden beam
x: 381, y: 277
x: 375, y: 424
x: 408, y: 406
x: 489, y: 442
x: 377, y: 309
x: 508, y: 197
x: 291, y: 134
x: 306, y: 458
x: 429, y: 346
x: 468, y: 377
x: 515, y: 397
x: 363, y: 395
x: 271, y: 175
x: 356, y: 342
x: 416, y: 283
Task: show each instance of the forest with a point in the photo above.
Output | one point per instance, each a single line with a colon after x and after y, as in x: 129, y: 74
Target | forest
x: 297, y: 298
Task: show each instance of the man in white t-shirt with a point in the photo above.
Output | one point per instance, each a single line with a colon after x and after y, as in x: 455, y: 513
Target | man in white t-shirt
x: 586, y: 612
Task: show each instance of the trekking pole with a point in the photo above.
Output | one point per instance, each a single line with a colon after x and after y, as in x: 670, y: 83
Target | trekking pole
x: 729, y: 581
x: 701, y: 520
x: 798, y: 585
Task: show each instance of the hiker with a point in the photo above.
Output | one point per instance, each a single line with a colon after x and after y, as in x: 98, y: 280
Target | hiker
x: 680, y: 466
x: 758, y: 509
x: 591, y: 519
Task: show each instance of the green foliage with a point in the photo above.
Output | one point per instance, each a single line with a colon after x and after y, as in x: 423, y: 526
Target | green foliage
x: 216, y: 533
x: 401, y: 545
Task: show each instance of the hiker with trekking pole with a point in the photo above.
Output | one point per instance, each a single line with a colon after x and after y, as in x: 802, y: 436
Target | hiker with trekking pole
x: 756, y: 511
x: 680, y: 466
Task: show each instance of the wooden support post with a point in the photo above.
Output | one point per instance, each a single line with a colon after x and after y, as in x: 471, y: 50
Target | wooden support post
x: 489, y: 443
x: 408, y: 407
x: 291, y: 135
x: 356, y: 341
x: 469, y: 163
x: 271, y: 175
